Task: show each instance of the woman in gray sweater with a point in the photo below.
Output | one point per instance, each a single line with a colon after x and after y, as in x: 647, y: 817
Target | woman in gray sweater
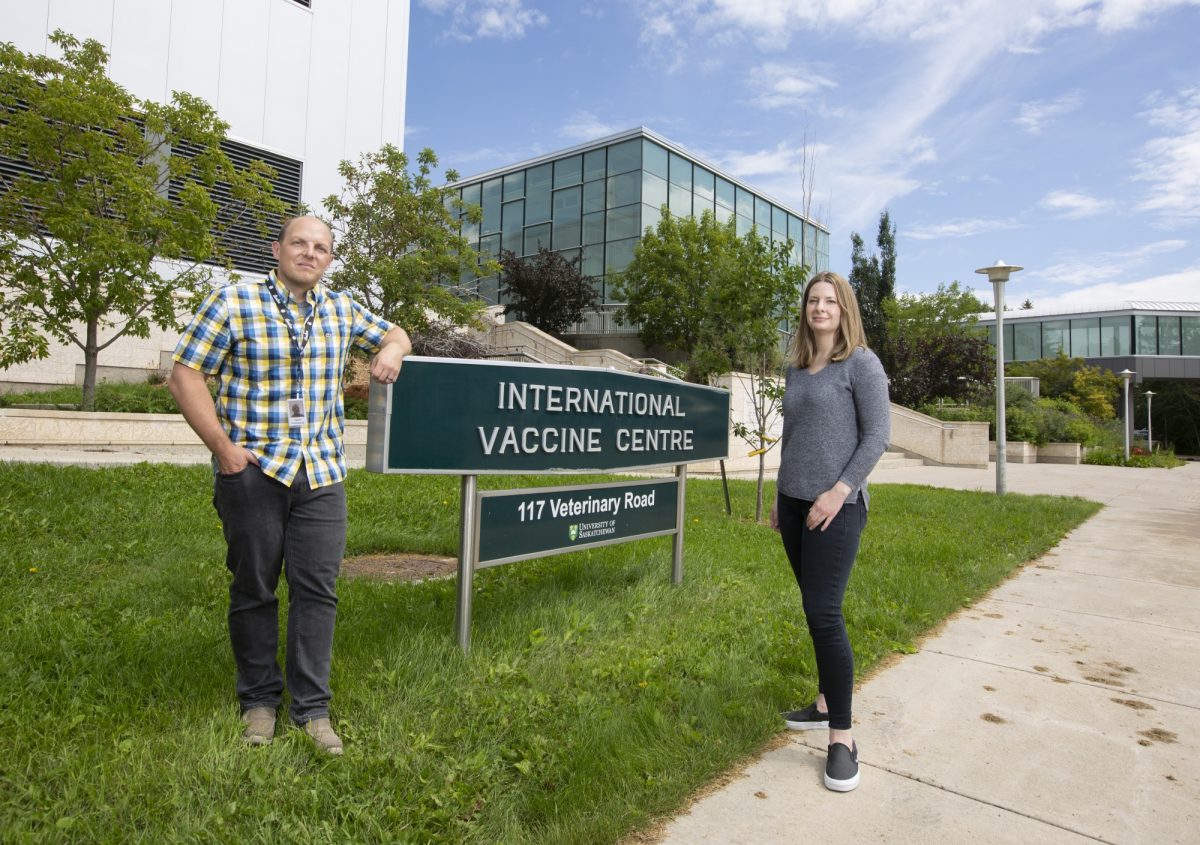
x: 836, y: 424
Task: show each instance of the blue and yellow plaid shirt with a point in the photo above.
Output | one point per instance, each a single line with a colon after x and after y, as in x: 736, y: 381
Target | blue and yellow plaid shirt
x: 239, y: 335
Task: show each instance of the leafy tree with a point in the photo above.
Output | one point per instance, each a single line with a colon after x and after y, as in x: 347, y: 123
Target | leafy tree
x: 105, y: 227
x: 1176, y: 414
x: 398, y: 241
x: 935, y: 345
x: 1093, y: 390
x: 547, y: 290
x: 696, y: 288
x: 766, y: 391
x: 873, y: 278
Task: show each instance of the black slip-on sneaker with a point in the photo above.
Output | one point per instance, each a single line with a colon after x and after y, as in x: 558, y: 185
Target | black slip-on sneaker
x: 808, y: 719
x: 841, y: 767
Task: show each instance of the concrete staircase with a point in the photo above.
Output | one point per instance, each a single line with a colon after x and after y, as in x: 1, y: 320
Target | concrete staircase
x: 895, y: 458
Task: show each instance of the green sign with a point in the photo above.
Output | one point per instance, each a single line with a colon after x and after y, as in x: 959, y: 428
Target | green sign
x: 480, y: 417
x: 520, y: 524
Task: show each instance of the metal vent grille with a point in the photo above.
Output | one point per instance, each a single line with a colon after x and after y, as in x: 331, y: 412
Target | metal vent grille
x: 248, y: 249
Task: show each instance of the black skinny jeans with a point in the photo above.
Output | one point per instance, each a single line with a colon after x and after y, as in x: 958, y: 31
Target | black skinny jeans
x: 821, y: 561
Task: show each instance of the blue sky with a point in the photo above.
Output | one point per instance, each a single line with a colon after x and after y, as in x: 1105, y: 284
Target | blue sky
x: 1061, y: 135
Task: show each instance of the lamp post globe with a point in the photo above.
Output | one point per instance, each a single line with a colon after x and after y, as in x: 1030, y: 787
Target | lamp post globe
x: 1150, y: 420
x: 998, y: 274
x: 1126, y: 374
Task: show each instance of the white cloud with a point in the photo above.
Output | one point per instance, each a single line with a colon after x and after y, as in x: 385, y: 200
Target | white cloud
x: 961, y: 228
x: 1105, y: 266
x: 786, y: 85
x: 474, y: 19
x: 1171, y: 162
x: 1036, y: 114
x: 585, y: 126
x: 1179, y: 286
x: 1073, y: 205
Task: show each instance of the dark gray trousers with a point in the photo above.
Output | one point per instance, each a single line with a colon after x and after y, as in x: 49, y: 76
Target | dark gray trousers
x: 265, y: 524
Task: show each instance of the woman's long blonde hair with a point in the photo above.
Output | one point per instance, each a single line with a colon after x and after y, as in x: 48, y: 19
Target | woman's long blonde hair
x: 850, y: 330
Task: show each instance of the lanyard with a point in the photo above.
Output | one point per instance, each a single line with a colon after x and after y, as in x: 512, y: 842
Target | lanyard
x: 298, y: 343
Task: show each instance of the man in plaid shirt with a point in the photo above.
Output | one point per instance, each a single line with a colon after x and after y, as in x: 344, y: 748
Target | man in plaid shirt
x: 278, y: 347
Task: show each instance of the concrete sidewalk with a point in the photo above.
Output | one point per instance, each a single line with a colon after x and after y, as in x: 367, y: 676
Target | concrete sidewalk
x: 1062, y: 708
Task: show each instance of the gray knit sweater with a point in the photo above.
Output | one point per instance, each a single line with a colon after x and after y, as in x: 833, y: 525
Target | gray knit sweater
x: 836, y: 424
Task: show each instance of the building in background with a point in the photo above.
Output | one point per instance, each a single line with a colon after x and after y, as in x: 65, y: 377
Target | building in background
x: 1156, y: 340
x: 594, y: 201
x: 302, y: 85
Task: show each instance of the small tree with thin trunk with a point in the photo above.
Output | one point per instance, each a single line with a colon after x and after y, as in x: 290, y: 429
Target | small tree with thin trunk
x: 106, y: 227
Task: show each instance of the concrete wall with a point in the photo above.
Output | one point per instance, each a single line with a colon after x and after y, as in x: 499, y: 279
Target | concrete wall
x: 939, y: 441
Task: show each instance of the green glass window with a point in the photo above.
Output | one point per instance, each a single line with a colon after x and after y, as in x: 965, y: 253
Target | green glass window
x: 489, y: 290
x: 723, y: 214
x: 470, y: 194
x: 654, y: 159
x: 489, y: 246
x: 537, y: 193
x: 681, y: 171
x: 593, y: 165
x: 779, y: 223
x: 593, y: 196
x: 744, y: 226
x: 1168, y: 336
x: 745, y: 203
x: 568, y: 212
x: 680, y: 200
x: 568, y: 171
x: 654, y: 189
x: 763, y: 230
x: 537, y: 237
x: 1147, y: 334
x: 512, y: 219
x: 618, y: 254
x: 624, y: 189
x: 491, y: 206
x: 762, y: 212
x: 1027, y: 341
x: 704, y: 184
x: 593, y: 261
x: 624, y: 222
x: 593, y: 228
x: 1085, y: 338
x: 1055, y: 337
x: 514, y: 186
x: 1189, y: 328
x: 701, y: 204
x: 624, y: 156
x: 1115, y: 336
x: 725, y: 193
x: 470, y: 231
x: 650, y: 216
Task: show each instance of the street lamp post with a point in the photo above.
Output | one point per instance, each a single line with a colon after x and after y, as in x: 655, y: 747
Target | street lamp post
x: 998, y: 274
x: 1126, y: 374
x: 1150, y: 420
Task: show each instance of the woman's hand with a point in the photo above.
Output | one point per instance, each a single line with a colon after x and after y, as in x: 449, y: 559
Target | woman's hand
x: 826, y: 506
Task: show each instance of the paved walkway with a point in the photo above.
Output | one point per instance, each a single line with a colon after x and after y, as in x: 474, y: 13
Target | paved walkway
x: 1062, y: 708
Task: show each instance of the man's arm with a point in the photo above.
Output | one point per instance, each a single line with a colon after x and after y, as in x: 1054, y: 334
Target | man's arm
x: 385, y: 366
x: 196, y: 405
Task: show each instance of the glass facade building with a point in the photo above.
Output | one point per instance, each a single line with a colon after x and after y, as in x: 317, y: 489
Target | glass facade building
x: 594, y: 201
x: 1163, y: 337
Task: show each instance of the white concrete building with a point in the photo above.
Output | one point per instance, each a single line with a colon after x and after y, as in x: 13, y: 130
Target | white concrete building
x: 302, y: 83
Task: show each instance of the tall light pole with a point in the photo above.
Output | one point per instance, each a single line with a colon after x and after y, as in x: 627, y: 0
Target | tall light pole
x: 1150, y: 420
x: 1126, y: 374
x: 998, y: 274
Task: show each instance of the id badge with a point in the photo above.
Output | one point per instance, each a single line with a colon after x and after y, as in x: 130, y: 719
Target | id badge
x: 296, y: 414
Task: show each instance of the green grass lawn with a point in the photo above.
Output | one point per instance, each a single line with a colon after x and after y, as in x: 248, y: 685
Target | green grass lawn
x: 596, y: 696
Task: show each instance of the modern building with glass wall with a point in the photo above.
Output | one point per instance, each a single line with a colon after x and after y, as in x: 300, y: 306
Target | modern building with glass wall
x: 1156, y: 340
x: 593, y: 201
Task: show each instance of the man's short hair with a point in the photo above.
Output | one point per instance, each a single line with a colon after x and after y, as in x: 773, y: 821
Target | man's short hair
x: 287, y: 224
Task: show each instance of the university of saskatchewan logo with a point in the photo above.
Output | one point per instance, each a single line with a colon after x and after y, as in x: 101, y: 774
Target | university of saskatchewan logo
x: 573, y: 532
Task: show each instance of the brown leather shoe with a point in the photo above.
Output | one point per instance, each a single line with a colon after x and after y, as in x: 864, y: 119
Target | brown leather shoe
x: 323, y: 736
x: 260, y: 725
